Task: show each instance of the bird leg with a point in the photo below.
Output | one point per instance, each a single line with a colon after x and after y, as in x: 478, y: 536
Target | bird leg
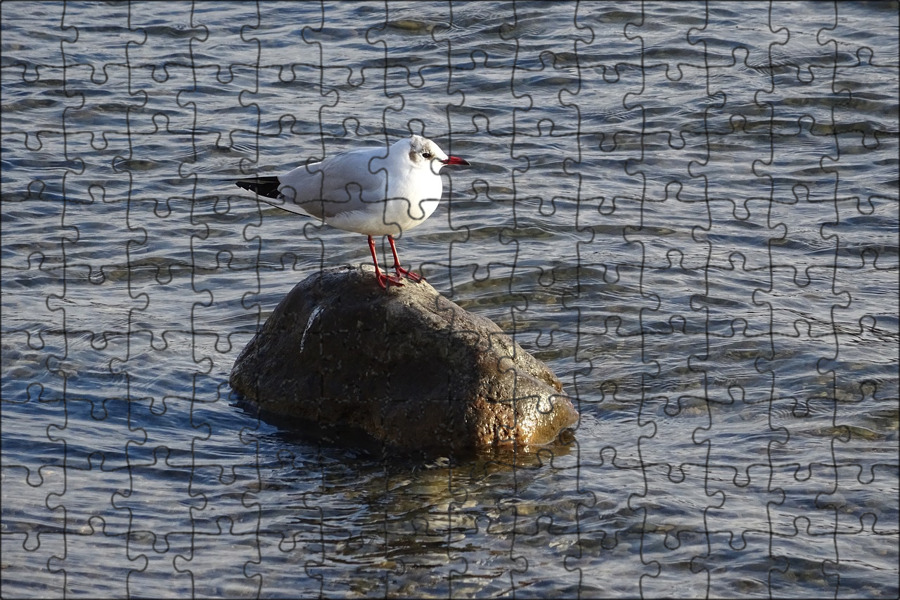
x: 400, y: 270
x: 383, y: 280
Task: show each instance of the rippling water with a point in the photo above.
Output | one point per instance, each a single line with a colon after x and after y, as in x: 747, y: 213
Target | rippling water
x: 689, y: 211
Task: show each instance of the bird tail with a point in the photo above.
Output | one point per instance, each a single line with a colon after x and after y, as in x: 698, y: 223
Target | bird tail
x: 263, y: 186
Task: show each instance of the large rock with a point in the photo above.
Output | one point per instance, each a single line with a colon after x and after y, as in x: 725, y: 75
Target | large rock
x: 406, y: 366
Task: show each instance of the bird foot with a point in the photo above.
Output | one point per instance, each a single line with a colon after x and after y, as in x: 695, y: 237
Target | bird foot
x: 386, y: 280
x: 414, y: 277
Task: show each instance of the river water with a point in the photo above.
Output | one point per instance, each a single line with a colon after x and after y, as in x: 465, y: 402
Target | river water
x: 688, y: 210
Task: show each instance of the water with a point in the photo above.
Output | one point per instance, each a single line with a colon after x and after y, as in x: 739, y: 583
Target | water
x: 688, y: 211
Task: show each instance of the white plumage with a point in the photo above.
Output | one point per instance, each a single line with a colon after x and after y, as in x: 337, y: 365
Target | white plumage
x: 366, y: 191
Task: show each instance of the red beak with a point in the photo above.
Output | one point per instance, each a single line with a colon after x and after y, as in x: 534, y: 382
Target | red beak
x: 455, y: 160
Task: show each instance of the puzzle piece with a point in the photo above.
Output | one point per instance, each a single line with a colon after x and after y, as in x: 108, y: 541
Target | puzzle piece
x: 688, y: 211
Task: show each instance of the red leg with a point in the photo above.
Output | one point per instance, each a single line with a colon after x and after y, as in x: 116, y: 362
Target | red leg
x: 400, y: 270
x: 383, y: 280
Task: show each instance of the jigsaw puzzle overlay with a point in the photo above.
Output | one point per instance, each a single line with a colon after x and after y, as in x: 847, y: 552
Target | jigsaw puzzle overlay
x: 689, y: 211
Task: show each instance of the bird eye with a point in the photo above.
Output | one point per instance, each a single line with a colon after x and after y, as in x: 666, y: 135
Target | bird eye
x: 427, y: 155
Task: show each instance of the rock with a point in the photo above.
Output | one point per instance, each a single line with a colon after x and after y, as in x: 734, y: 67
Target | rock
x: 406, y: 366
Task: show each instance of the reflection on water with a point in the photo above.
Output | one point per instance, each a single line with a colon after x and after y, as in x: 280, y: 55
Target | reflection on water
x: 688, y: 211
x: 407, y: 526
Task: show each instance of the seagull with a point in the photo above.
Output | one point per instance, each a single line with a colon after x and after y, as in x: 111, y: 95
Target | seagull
x: 366, y: 191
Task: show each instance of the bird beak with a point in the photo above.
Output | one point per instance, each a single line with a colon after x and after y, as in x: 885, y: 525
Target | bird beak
x: 455, y: 160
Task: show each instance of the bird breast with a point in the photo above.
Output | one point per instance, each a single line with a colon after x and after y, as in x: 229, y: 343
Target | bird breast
x: 411, y: 200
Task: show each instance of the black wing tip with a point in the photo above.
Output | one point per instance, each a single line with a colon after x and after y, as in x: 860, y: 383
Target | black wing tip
x: 263, y: 186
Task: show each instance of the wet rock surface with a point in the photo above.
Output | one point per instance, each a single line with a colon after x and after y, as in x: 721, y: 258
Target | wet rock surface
x: 405, y: 366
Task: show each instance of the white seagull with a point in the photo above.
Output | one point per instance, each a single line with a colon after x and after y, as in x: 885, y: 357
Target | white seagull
x: 366, y: 192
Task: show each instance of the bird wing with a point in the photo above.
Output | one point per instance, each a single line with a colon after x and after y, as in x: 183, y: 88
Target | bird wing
x: 337, y: 185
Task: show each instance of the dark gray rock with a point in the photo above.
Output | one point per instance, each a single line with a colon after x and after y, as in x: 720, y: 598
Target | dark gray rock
x: 406, y: 366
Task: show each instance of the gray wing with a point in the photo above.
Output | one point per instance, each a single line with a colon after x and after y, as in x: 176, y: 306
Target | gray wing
x: 340, y: 184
